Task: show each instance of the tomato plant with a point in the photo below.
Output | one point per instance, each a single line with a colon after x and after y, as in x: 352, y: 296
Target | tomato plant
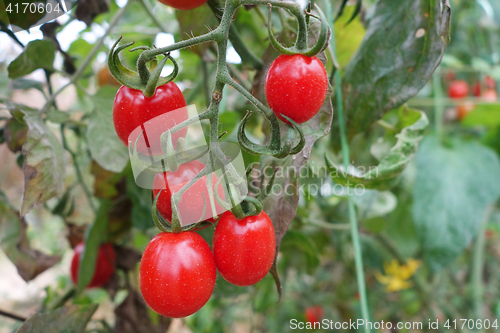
x: 458, y: 89
x: 296, y: 87
x: 194, y: 201
x: 490, y: 95
x: 135, y: 113
x: 104, y: 267
x: 244, y: 249
x: 177, y: 274
x: 183, y: 4
x: 314, y: 314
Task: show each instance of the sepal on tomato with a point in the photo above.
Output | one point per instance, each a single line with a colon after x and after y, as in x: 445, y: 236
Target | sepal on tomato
x: 298, y: 48
x: 274, y: 147
x: 145, y: 79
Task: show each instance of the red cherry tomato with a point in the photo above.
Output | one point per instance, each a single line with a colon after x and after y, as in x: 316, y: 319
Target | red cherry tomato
x: 104, y: 267
x: 490, y: 95
x: 244, y: 249
x: 314, y: 314
x: 296, y: 86
x: 177, y: 274
x: 458, y: 89
x: 183, y: 4
x: 133, y: 112
x: 476, y: 89
x: 193, y: 200
x: 490, y: 82
x: 464, y: 109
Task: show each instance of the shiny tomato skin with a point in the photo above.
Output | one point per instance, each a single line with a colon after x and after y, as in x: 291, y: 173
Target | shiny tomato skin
x: 244, y: 249
x: 314, y: 314
x: 193, y: 199
x: 296, y: 86
x: 131, y: 110
x: 458, y: 89
x: 177, y: 274
x: 464, y: 109
x: 105, y: 265
x: 183, y: 4
x: 490, y: 95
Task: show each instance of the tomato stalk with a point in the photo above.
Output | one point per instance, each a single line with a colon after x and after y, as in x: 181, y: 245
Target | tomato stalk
x: 147, y: 80
x: 358, y: 257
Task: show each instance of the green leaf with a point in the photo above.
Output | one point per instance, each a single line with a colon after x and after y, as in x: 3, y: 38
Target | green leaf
x: 295, y: 240
x: 94, y: 236
x: 404, y: 43
x: 387, y: 173
x: 141, y: 209
x: 43, y: 165
x: 484, y: 115
x: 19, y: 16
x: 15, y: 132
x: 454, y: 186
x: 39, y: 53
x: 14, y: 243
x: 105, y: 146
x: 348, y: 38
x: 25, y: 84
x: 68, y: 319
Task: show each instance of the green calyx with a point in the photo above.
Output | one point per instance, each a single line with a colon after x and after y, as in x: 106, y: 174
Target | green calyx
x: 274, y: 148
x: 146, y: 79
x: 300, y: 46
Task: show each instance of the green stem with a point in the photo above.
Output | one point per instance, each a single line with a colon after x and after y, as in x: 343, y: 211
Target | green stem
x: 478, y: 266
x: 78, y: 171
x: 90, y: 56
x: 358, y: 258
x: 438, y: 107
x: 245, y: 54
x: 149, y: 11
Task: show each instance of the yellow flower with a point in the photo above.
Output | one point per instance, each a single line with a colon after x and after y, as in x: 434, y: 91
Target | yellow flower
x: 397, y: 276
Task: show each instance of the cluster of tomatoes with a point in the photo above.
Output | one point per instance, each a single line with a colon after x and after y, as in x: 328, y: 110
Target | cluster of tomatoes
x: 177, y: 272
x: 460, y: 89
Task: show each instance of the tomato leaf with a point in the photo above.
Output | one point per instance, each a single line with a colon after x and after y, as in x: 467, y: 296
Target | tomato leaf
x: 43, y: 165
x: 387, y: 173
x: 39, y: 53
x: 295, y: 240
x: 15, y: 132
x: 105, y: 146
x: 404, y: 43
x: 485, y: 115
x: 87, y: 10
x: 454, y: 186
x: 14, y: 243
x: 94, y: 236
x: 68, y: 319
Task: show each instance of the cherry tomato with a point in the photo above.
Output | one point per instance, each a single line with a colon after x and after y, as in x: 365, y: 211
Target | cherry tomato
x: 244, y: 249
x: 177, y: 274
x: 314, y: 314
x: 193, y: 200
x: 105, y: 78
x: 296, y: 86
x: 458, y: 89
x: 104, y: 267
x: 476, y: 89
x: 490, y: 95
x: 490, y: 82
x: 183, y: 4
x: 464, y: 109
x: 134, y: 113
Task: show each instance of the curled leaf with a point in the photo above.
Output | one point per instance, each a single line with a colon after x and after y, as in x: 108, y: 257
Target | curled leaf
x: 386, y: 174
